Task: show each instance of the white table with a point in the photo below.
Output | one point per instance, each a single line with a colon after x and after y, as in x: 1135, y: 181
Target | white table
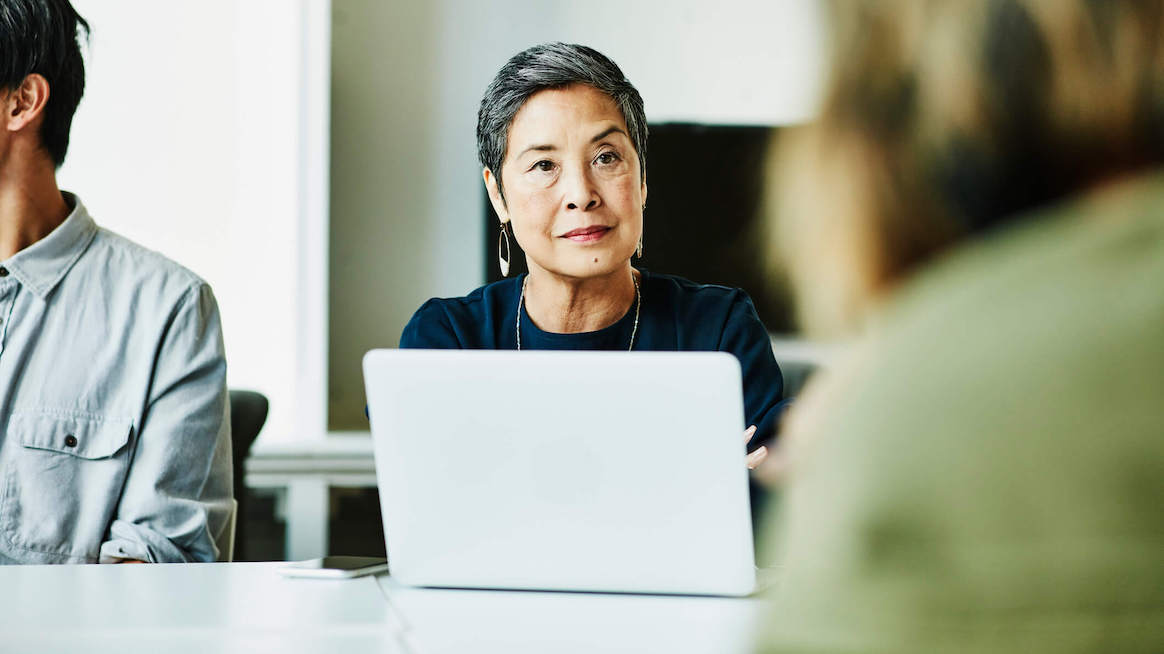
x: 248, y: 607
x: 513, y: 622
x: 179, y: 608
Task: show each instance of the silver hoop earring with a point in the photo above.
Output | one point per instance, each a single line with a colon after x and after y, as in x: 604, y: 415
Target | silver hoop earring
x: 639, y: 249
x: 503, y: 261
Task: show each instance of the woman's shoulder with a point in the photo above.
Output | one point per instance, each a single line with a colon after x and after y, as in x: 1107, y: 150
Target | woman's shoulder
x: 476, y: 301
x: 686, y: 294
x: 706, y: 316
x: 446, y: 321
x: 707, y: 312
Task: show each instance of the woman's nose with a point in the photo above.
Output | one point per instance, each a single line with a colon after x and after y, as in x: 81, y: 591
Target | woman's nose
x: 580, y: 192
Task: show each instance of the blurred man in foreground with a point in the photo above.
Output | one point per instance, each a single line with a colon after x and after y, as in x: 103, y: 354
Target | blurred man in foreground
x: 982, y: 201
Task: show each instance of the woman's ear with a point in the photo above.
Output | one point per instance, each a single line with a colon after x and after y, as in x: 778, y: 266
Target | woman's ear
x: 495, y: 198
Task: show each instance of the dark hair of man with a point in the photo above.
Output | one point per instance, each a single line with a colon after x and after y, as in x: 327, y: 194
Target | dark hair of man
x: 41, y: 37
x: 553, y: 66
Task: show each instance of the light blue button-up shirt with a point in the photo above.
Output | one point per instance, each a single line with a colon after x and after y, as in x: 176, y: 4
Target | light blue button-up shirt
x: 114, y: 426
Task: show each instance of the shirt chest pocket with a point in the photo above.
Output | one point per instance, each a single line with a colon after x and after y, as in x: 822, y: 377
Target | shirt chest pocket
x: 62, y: 484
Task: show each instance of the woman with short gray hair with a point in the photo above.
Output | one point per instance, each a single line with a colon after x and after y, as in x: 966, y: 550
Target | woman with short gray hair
x: 561, y: 135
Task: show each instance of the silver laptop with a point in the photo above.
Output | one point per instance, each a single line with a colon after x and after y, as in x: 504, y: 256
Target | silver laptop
x: 572, y: 471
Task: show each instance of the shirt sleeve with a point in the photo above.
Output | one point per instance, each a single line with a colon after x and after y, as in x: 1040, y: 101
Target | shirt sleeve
x: 178, y: 492
x: 747, y: 338
x: 430, y: 328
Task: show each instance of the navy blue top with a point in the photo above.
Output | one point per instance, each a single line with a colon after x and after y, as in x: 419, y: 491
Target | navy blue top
x: 676, y: 315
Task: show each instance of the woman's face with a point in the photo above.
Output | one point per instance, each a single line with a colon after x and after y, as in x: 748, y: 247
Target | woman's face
x: 573, y: 191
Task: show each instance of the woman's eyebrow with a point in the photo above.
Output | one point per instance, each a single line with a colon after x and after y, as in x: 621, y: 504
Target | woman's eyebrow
x: 607, y: 132
x: 544, y: 147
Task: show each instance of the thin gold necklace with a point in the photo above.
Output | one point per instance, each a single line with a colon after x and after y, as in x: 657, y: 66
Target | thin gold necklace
x: 634, y: 329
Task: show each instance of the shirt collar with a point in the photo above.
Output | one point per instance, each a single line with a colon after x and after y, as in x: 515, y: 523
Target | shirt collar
x: 42, y: 265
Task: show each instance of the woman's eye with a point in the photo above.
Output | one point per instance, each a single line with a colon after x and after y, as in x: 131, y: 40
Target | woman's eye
x: 544, y: 166
x: 606, y: 158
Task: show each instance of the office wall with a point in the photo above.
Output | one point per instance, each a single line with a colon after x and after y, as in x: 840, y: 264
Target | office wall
x: 190, y: 139
x: 406, y: 80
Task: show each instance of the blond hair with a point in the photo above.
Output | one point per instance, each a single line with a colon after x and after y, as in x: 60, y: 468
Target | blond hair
x: 944, y: 119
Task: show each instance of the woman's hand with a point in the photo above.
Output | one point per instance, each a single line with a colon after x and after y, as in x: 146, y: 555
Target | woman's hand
x: 757, y: 457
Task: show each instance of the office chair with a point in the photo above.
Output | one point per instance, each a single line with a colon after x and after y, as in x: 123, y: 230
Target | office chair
x: 248, y: 412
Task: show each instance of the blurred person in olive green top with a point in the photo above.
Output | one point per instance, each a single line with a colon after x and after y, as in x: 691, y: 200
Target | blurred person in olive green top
x: 980, y: 208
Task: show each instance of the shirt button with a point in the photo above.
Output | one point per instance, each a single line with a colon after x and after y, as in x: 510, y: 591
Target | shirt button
x: 70, y: 441
x: 3, y: 271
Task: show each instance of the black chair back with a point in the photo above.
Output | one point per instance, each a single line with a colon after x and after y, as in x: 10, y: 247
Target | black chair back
x: 248, y: 413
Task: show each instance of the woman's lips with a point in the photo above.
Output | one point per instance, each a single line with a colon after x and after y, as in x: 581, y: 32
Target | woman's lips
x: 586, y: 234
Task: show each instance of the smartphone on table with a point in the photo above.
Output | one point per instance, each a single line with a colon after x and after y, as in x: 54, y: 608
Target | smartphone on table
x: 336, y: 567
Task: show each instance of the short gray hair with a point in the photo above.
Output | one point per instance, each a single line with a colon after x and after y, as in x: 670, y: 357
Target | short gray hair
x: 553, y: 66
